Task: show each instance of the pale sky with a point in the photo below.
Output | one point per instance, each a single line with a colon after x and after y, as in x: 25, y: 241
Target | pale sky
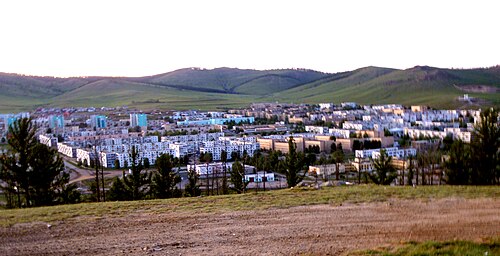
x: 136, y: 38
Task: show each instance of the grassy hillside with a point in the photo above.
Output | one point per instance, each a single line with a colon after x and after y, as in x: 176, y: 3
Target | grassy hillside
x: 284, y: 198
x: 117, y: 92
x: 226, y: 80
x: 419, y: 85
x: 229, y: 87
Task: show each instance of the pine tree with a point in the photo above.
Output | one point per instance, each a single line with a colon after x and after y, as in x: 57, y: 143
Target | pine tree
x: 458, y: 165
x: 294, y: 162
x: 384, y: 172
x: 411, y: 167
x: 118, y: 191
x: 165, y: 179
x: 238, y: 177
x: 138, y: 182
x: 338, y: 158
x: 225, y: 186
x: 207, y: 158
x: 485, y: 145
x: 46, y: 168
x: 22, y: 140
x: 192, y: 188
x: 32, y: 172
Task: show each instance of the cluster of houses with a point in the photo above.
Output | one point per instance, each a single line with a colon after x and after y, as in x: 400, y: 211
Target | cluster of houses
x: 108, y: 135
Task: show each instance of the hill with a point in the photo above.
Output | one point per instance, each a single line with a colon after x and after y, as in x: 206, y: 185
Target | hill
x: 419, y: 85
x: 230, y: 87
x: 230, y: 80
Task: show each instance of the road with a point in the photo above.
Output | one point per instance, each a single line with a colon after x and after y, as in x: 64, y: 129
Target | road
x: 80, y: 174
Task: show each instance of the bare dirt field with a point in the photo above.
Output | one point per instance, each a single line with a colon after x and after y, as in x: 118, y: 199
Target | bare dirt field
x: 316, y: 230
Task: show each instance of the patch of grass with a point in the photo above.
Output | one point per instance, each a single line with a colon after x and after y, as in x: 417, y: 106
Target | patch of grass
x: 284, y: 198
x: 489, y: 247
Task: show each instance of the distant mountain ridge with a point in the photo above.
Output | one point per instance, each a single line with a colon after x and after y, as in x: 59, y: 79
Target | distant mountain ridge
x: 232, y: 87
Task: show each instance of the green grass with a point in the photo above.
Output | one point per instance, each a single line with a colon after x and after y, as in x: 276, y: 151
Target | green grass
x: 459, y: 248
x: 265, y: 200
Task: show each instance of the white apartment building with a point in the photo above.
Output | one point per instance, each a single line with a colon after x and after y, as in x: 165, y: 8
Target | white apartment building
x: 48, y: 140
x: 348, y: 125
x: 326, y: 169
x: 339, y: 133
x: 66, y: 149
x: 84, y: 155
x: 316, y: 129
x: 211, y: 168
x: 259, y: 177
x: 392, y: 151
x: 440, y: 115
x: 236, y: 145
x: 456, y: 133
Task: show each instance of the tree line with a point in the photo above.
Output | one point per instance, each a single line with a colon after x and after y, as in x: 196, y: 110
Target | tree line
x: 453, y: 162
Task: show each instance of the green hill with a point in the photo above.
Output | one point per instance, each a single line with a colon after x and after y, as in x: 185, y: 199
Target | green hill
x: 227, y: 80
x: 419, y: 85
x: 220, y: 88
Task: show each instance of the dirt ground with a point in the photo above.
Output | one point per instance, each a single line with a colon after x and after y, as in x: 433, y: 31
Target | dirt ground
x: 321, y: 229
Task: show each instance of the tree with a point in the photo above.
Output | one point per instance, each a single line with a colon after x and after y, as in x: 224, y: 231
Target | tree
x: 421, y: 161
x: 235, y: 155
x: 137, y: 183
x: 66, y: 193
x: 225, y: 186
x: 384, y: 172
x: 411, y: 167
x: 458, y: 165
x: 238, y: 177
x: 310, y: 159
x: 357, y: 145
x: 118, y: 191
x: 333, y: 148
x: 96, y: 164
x: 15, y: 165
x: 165, y: 180
x: 485, y: 147
x: 146, y: 163
x: 207, y: 158
x: 46, y: 172
x: 192, y: 188
x: 294, y: 163
x: 338, y: 158
x: 117, y: 164
x: 33, y: 172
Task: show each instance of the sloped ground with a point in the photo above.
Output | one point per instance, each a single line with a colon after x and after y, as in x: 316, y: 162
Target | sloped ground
x: 320, y: 229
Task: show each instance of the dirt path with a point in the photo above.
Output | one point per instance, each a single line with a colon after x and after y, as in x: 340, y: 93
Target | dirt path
x: 322, y: 229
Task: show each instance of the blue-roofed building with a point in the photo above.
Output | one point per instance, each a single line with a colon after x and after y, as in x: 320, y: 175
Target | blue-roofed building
x: 56, y: 121
x: 99, y: 121
x: 138, y: 120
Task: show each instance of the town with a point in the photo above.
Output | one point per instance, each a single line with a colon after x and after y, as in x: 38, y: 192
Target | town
x: 338, y: 141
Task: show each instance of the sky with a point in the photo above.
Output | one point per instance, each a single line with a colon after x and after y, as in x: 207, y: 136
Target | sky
x: 137, y: 38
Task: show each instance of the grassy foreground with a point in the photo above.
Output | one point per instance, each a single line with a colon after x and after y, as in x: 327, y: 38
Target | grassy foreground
x: 250, y: 201
x: 490, y: 247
